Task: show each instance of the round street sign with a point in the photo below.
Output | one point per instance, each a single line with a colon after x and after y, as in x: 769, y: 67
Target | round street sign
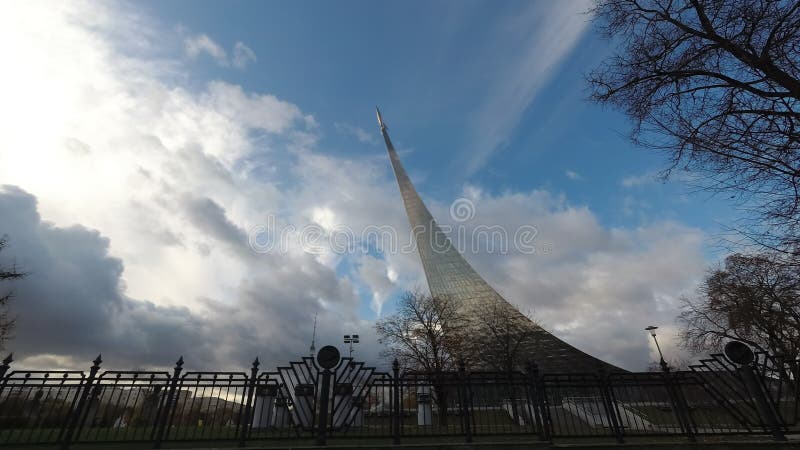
x: 739, y: 352
x: 328, y: 357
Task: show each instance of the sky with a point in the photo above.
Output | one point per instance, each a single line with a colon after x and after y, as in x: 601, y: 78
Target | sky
x: 145, y: 144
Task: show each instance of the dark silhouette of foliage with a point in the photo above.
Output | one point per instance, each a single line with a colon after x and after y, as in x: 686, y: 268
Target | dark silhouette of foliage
x: 754, y: 299
x: 7, y: 273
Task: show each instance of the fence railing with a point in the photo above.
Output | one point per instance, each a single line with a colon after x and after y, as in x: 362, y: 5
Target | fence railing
x: 61, y: 408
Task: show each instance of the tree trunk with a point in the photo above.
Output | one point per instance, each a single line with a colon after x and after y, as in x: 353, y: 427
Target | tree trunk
x: 441, y: 402
x: 511, y: 394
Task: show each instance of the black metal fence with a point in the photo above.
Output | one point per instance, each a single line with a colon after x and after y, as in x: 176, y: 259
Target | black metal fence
x: 716, y: 397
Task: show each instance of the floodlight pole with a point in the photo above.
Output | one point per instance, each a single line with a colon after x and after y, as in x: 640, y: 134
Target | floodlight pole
x: 351, y: 339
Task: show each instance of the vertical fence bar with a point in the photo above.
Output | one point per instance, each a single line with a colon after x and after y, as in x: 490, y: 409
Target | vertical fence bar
x: 678, y: 403
x: 543, y: 404
x: 75, y: 418
x: 765, y: 410
x: 247, y: 417
x: 3, y: 370
x: 325, y: 392
x: 610, y: 408
x: 534, y: 400
x: 464, y: 401
x: 396, y: 402
x: 167, y: 408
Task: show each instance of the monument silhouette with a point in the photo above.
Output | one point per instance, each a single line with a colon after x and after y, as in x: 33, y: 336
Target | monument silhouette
x: 450, y: 275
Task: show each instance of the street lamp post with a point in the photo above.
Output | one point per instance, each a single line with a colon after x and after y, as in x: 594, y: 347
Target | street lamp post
x: 652, y: 329
x: 676, y: 396
x: 351, y: 339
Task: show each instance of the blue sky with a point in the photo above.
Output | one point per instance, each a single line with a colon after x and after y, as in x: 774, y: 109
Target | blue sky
x: 147, y: 140
x: 433, y: 67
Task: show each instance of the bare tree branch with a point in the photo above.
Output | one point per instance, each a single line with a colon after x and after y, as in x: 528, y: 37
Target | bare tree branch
x: 716, y: 85
x: 427, y: 334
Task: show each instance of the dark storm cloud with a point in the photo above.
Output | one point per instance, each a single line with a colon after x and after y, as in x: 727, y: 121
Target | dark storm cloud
x: 72, y: 305
x: 210, y: 218
x: 72, y: 302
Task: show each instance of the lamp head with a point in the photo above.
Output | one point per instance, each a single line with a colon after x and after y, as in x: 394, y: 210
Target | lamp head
x: 652, y: 329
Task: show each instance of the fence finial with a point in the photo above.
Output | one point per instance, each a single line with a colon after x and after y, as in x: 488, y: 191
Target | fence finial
x: 8, y: 359
x: 99, y: 360
x: 179, y: 363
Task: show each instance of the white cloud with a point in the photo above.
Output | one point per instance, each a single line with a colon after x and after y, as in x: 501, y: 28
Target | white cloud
x: 243, y: 55
x: 638, y: 180
x: 634, y: 207
x: 359, y: 133
x: 534, y: 41
x: 201, y: 43
x: 597, y: 288
x: 378, y: 278
x: 171, y: 178
x: 257, y: 111
x: 166, y: 180
x: 572, y: 175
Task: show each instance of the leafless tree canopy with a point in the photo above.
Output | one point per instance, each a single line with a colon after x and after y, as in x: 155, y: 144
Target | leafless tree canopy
x: 505, y: 337
x: 426, y: 333
x: 754, y: 299
x: 715, y: 83
x: 7, y: 321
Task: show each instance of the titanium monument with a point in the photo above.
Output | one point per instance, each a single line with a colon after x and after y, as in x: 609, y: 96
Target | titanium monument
x: 450, y: 275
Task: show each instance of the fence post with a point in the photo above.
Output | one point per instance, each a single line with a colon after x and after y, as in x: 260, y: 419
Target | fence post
x: 74, y: 422
x: 165, y: 413
x: 325, y: 392
x: 465, y: 401
x: 678, y: 402
x: 3, y: 370
x: 610, y: 408
x: 396, y: 402
x: 533, y: 399
x: 247, y: 418
x: 763, y: 406
x: 544, y: 406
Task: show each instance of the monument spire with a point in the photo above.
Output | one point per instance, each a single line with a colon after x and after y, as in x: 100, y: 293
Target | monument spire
x: 450, y: 275
x: 380, y: 119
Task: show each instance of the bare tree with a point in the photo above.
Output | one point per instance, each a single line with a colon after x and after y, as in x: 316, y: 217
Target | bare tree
x: 7, y: 322
x: 506, y: 338
x: 505, y: 335
x: 426, y: 334
x: 716, y: 84
x: 753, y: 299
